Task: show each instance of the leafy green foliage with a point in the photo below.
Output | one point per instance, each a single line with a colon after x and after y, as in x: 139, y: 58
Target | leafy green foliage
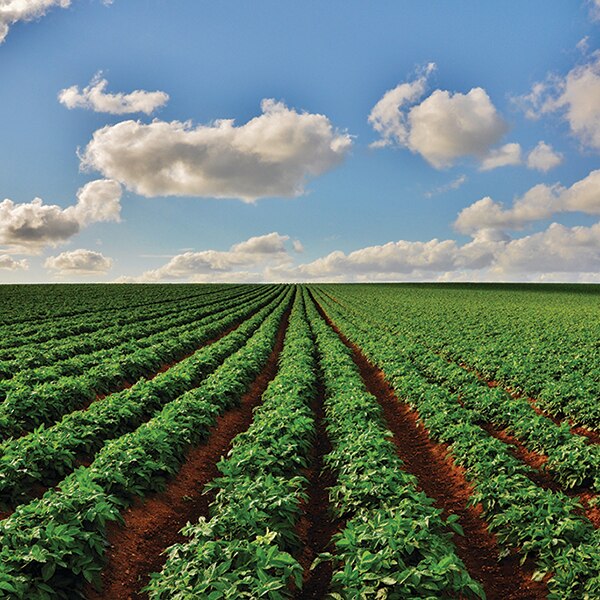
x: 129, y: 467
x: 27, y: 406
x: 395, y: 543
x: 535, y: 522
x: 245, y: 550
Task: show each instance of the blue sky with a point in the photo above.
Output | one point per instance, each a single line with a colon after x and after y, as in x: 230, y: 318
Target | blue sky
x: 314, y: 189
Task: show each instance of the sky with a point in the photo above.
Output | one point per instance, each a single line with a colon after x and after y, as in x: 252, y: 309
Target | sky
x: 195, y: 141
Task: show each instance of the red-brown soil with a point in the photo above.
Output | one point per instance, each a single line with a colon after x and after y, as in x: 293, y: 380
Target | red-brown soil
x: 582, y: 430
x: 534, y: 460
x: 592, y: 436
x: 86, y: 460
x: 317, y: 525
x: 446, y: 483
x: 124, y: 385
x: 541, y: 477
x: 591, y: 512
x: 153, y: 525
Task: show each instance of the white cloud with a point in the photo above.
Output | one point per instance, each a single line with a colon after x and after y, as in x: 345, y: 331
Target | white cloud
x: 94, y: 97
x: 400, y: 257
x: 452, y: 185
x: 507, y: 155
x: 583, y: 45
x: 216, y: 265
x: 298, y: 246
x: 387, y: 116
x: 543, y: 157
x: 445, y: 126
x: 540, y: 202
x: 442, y: 128
x: 576, y: 97
x: 12, y: 11
x: 270, y: 155
x: 9, y: 263
x: 594, y: 10
x: 560, y: 253
x: 79, y: 262
x: 28, y: 227
x: 557, y: 249
x: 269, y: 244
x: 557, y: 253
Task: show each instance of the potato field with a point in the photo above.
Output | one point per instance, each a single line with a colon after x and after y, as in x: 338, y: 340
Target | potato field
x: 377, y: 441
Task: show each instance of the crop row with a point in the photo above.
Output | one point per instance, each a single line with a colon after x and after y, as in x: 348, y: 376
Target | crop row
x: 26, y: 408
x: 571, y: 460
x: 46, y: 455
x: 245, y: 550
x: 527, y: 519
x: 395, y: 542
x: 139, y: 323
x: 73, y: 356
x: 544, y: 345
x: 107, y: 305
x: 49, y: 547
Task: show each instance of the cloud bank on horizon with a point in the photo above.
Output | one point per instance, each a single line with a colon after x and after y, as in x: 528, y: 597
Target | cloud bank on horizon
x: 515, y: 165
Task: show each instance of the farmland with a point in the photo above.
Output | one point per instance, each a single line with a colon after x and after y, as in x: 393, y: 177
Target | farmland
x: 300, y: 441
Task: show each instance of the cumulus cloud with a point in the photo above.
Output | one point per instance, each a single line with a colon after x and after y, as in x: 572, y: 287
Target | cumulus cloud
x: 446, y: 126
x: 10, y: 264
x: 271, y: 155
x: 397, y: 258
x: 29, y: 227
x: 94, y: 97
x: 507, y: 155
x: 576, y: 97
x: 387, y: 116
x: 557, y: 253
x: 443, y: 128
x: 228, y: 265
x: 79, y: 262
x: 557, y: 249
x: 561, y: 253
x: 12, y: 11
x: 543, y: 157
x: 540, y: 202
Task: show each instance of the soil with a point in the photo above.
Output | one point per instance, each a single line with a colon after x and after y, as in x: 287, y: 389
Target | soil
x: 592, y: 436
x: 151, y: 526
x: 39, y: 490
x: 317, y: 526
x: 541, y: 477
x: 533, y: 459
x: 124, y: 385
x: 447, y: 485
x: 591, y: 512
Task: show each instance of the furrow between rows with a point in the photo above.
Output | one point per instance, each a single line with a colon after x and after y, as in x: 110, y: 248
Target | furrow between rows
x: 153, y: 524
x: 445, y: 482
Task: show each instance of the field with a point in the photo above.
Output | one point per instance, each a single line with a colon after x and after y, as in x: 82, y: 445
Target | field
x: 384, y: 441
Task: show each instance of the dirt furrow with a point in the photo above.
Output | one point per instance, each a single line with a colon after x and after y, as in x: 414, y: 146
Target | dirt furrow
x: 581, y: 430
x: 542, y: 478
x: 166, y: 366
x: 592, y: 436
x: 152, y: 525
x: 446, y: 483
x: 86, y: 460
x: 317, y: 526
